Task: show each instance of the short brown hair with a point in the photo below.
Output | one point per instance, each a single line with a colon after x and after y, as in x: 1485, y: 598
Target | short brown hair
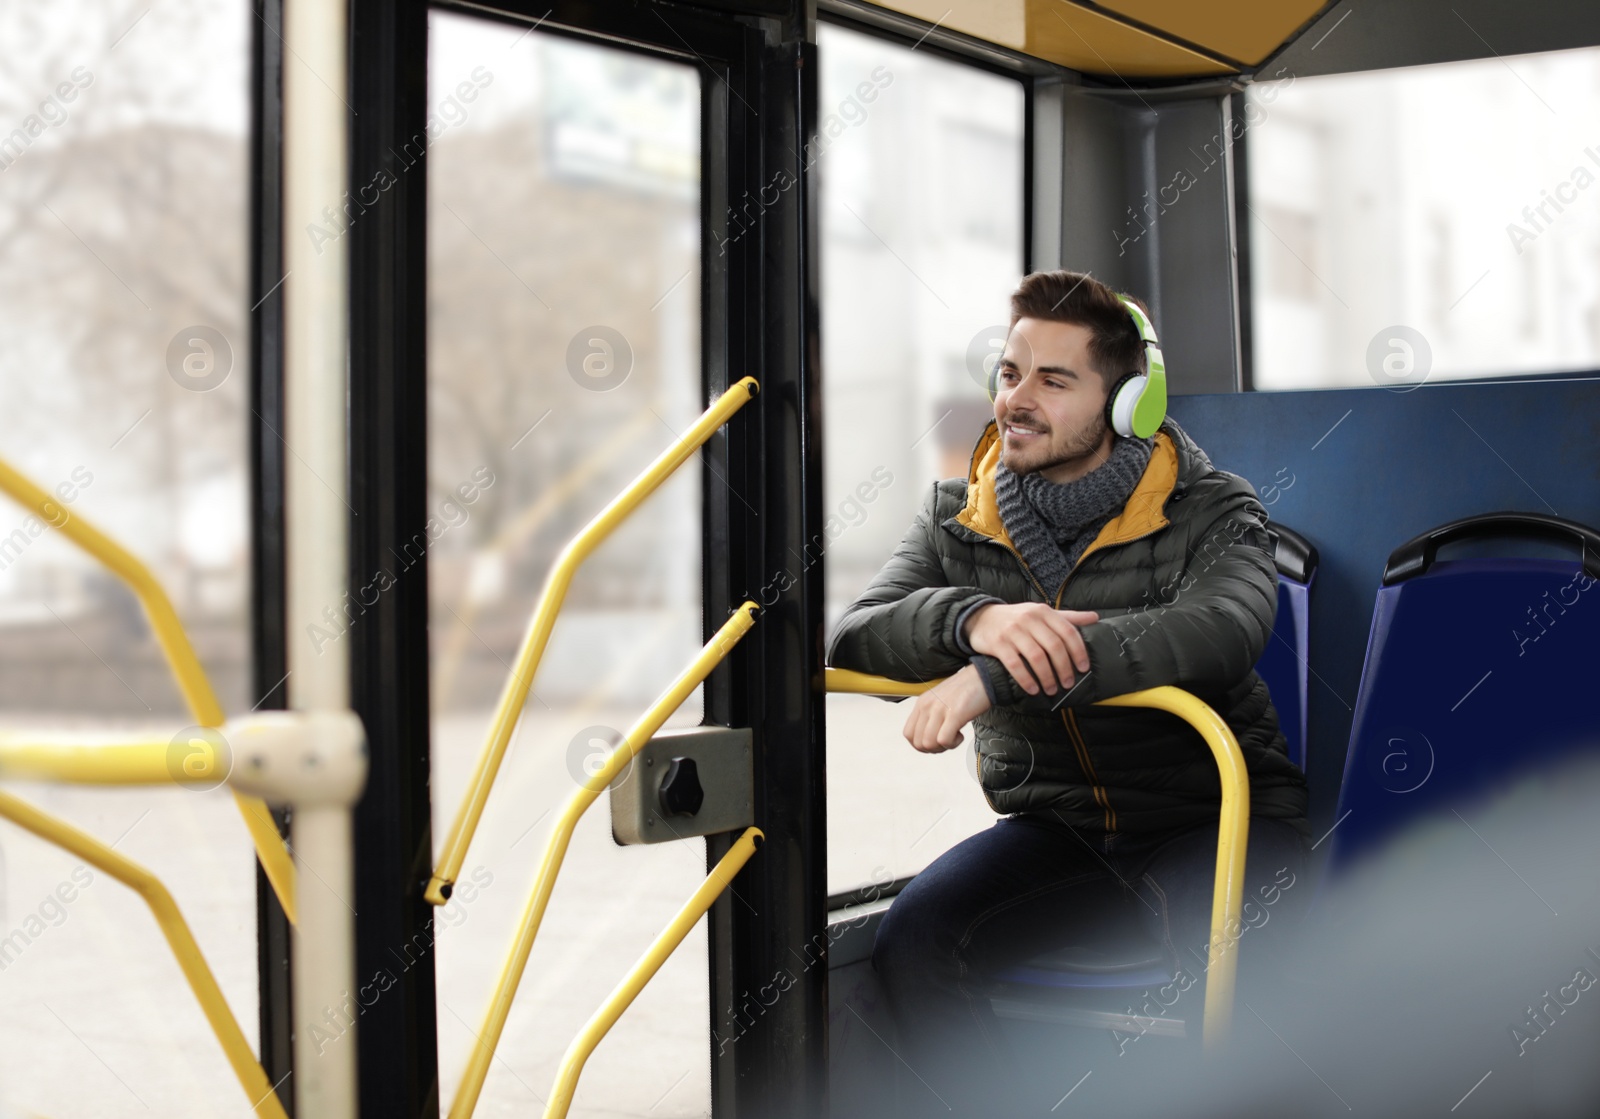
x: 1115, y: 345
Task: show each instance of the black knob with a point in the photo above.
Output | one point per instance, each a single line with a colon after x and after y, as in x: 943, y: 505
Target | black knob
x: 681, y: 794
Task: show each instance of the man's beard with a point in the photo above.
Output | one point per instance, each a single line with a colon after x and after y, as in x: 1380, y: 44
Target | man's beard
x: 1083, y: 442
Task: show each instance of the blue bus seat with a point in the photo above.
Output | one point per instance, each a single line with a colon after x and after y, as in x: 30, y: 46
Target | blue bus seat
x: 1284, y: 663
x: 1116, y: 954
x: 1476, y: 669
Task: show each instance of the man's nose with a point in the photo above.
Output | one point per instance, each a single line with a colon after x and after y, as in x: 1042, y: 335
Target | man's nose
x: 1022, y: 397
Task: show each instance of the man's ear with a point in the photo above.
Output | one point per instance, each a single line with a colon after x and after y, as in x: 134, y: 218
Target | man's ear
x: 1112, y: 384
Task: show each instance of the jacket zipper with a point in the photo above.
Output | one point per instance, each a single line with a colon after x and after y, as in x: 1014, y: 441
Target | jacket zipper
x: 1081, y: 747
x: 1080, y: 744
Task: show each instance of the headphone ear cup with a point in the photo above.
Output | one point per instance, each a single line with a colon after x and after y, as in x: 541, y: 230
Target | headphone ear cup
x: 1118, y: 391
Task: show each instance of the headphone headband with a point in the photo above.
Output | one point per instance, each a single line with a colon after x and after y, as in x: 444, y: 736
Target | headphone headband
x: 1141, y: 321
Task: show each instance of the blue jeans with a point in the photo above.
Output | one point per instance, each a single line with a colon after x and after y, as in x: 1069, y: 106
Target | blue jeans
x: 1031, y: 884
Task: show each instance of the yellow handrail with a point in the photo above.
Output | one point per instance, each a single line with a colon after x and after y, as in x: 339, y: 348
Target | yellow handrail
x: 596, y: 1028
x: 107, y: 759
x: 561, y: 834
x: 848, y: 682
x: 191, y: 677
x: 1233, y: 833
x: 1233, y: 828
x: 454, y: 852
x: 263, y: 1099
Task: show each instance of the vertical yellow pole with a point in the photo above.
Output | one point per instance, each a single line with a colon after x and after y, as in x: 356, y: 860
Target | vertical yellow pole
x: 1233, y: 835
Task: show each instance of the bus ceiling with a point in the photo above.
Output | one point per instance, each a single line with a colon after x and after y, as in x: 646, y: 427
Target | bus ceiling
x: 1158, y: 42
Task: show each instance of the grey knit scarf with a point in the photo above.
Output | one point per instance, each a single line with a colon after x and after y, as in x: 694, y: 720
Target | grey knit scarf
x: 1052, y: 524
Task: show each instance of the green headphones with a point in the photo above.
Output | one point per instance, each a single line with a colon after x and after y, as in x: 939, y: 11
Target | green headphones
x: 1137, y: 403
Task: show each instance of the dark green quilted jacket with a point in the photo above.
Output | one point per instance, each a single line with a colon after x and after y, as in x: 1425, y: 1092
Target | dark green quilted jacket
x: 1185, y: 586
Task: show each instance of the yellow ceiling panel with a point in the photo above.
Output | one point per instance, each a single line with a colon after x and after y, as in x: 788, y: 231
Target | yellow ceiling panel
x: 1067, y: 34
x: 1247, y: 30
x: 995, y: 21
x: 1086, y: 40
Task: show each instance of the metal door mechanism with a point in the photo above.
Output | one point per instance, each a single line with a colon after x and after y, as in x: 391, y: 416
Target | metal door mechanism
x: 685, y: 783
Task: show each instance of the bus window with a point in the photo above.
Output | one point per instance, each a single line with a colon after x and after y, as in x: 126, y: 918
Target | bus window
x: 124, y: 381
x: 1428, y: 223
x: 921, y: 244
x: 563, y: 355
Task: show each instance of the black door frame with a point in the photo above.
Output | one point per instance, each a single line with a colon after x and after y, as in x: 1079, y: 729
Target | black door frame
x: 268, y: 618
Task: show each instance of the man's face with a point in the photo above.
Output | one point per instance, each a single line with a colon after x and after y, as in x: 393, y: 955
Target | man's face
x: 1050, y: 402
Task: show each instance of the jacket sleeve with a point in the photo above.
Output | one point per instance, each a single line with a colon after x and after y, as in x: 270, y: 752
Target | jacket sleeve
x: 1204, y: 634
x: 903, y: 625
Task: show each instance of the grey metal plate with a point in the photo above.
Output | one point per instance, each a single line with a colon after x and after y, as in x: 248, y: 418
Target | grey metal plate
x: 722, y: 758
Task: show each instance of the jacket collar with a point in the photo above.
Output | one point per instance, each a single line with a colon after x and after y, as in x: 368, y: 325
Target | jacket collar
x: 1141, y: 514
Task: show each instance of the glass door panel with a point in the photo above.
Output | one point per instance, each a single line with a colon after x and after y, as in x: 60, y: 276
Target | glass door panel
x: 563, y: 355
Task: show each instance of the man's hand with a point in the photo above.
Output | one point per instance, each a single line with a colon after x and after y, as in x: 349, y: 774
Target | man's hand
x: 1032, y: 636
x: 935, y: 722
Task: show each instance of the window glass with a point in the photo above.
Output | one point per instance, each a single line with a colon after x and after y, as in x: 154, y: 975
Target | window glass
x: 921, y: 164
x: 123, y: 389
x: 1428, y: 223
x: 563, y: 356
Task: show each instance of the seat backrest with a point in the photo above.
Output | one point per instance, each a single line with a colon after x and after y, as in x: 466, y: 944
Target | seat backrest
x: 1476, y: 669
x: 1283, y: 664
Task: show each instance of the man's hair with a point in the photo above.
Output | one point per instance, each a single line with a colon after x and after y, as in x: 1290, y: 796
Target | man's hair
x: 1115, y: 346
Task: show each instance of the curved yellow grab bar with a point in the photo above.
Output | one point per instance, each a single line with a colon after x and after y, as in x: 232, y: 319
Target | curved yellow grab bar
x: 1233, y: 834
x: 259, y: 1090
x: 561, y: 834
x: 192, y: 681
x: 1233, y: 828
x: 454, y: 851
x: 596, y: 1028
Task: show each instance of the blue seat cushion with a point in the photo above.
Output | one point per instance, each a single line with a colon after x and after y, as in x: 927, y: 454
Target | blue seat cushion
x: 1475, y: 670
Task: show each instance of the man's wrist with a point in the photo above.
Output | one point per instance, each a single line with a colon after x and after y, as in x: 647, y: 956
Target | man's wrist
x: 963, y: 619
x: 976, y: 662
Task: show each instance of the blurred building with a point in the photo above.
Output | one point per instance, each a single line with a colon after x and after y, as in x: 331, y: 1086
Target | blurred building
x: 1461, y: 200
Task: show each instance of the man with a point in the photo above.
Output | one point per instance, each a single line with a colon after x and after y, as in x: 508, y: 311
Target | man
x: 1071, y: 564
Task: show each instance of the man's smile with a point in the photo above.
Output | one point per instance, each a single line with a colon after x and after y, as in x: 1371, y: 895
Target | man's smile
x: 1015, y: 430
